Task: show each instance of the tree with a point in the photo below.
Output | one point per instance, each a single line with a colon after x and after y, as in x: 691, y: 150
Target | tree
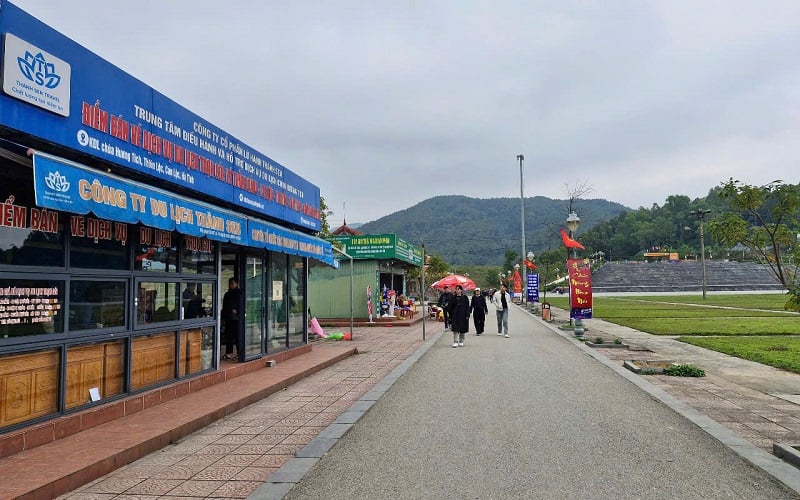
x: 509, y: 259
x: 764, y: 219
x: 437, y: 268
x: 324, y: 213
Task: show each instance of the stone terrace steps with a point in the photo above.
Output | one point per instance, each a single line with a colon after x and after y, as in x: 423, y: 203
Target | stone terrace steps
x: 682, y: 276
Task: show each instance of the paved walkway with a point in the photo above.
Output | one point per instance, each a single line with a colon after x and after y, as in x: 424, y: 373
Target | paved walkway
x: 234, y: 456
x: 533, y: 416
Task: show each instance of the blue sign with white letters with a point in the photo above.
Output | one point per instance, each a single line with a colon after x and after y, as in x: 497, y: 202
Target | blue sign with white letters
x: 62, y: 185
x: 533, y: 287
x: 57, y: 92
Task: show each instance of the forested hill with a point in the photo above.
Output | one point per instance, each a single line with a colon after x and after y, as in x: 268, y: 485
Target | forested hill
x: 479, y: 231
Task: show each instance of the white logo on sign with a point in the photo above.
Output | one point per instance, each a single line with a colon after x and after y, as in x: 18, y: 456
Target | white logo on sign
x: 34, y: 76
x: 83, y: 138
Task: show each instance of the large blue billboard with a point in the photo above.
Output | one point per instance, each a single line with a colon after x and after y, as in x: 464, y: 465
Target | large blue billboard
x: 67, y: 186
x: 61, y: 93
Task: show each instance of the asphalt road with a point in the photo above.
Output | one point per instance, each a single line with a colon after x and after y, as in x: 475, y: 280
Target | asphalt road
x: 526, y: 417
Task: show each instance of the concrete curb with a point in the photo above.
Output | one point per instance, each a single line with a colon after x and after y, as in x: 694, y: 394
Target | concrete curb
x: 292, y: 472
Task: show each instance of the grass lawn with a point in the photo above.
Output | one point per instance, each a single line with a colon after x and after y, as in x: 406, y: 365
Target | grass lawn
x: 771, y: 301
x: 753, y: 327
x: 778, y: 351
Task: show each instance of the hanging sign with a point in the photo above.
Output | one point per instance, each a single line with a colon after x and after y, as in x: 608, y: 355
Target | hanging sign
x: 580, y: 288
x: 533, y: 287
x: 63, y: 185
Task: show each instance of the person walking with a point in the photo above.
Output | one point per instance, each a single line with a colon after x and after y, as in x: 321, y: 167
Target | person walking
x: 459, y: 316
x: 230, y: 317
x: 478, y: 308
x: 500, y: 299
x: 444, y: 303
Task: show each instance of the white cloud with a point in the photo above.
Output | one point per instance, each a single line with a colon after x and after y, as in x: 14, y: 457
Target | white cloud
x: 386, y: 104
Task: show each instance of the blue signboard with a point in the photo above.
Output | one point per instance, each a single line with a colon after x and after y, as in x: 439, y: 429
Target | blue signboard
x: 67, y: 186
x: 275, y: 238
x: 70, y: 187
x: 533, y: 287
x: 59, y: 92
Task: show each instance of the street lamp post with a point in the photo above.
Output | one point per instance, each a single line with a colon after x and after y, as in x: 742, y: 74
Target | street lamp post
x: 573, y: 221
x: 701, y: 215
x: 521, y: 158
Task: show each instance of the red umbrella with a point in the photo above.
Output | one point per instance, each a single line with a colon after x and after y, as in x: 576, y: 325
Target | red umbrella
x: 453, y: 280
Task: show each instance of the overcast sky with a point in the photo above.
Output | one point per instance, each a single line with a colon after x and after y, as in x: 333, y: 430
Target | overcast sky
x: 383, y: 104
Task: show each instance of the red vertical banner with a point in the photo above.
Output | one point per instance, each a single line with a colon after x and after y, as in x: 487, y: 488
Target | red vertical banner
x: 517, y: 279
x: 580, y: 288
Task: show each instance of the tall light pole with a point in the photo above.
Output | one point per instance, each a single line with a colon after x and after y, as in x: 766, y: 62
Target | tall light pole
x: 701, y: 215
x: 521, y: 158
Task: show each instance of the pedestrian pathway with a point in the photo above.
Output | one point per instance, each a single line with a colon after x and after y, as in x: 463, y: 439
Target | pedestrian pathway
x: 232, y: 457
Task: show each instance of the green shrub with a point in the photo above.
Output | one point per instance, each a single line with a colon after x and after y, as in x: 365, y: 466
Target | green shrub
x: 684, y: 371
x: 598, y: 340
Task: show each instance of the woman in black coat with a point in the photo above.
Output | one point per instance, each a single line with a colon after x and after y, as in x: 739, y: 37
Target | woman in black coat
x: 479, y: 309
x: 459, y: 316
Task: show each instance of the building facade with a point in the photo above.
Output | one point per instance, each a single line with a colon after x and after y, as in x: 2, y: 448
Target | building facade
x: 380, y: 263
x: 123, y: 216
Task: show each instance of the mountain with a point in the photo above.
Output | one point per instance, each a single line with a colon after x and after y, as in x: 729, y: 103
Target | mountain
x: 476, y: 231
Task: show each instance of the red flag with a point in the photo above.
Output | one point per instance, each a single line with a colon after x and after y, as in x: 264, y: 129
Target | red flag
x: 530, y: 265
x: 569, y: 242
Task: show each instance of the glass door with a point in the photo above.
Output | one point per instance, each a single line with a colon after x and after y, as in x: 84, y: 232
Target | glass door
x: 279, y: 303
x: 254, y: 305
x: 230, y: 331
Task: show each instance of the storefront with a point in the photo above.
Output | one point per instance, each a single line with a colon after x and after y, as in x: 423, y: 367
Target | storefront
x: 380, y: 264
x: 122, y: 218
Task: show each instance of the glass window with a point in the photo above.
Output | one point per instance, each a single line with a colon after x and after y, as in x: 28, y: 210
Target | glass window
x: 96, y: 304
x: 297, y: 304
x: 198, y: 299
x: 94, y: 372
x: 157, y: 302
x: 157, y: 250
x: 31, y: 307
x: 30, y: 381
x: 98, y: 243
x: 29, y: 236
x: 197, y: 349
x: 152, y: 359
x: 198, y: 256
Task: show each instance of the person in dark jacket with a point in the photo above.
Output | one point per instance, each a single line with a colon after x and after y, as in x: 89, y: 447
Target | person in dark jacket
x: 479, y: 309
x: 459, y: 316
x: 445, y: 303
x: 231, y: 302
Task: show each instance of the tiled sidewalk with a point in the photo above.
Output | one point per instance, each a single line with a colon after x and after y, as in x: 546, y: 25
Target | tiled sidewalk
x: 232, y: 457
x: 759, y: 418
x: 755, y: 401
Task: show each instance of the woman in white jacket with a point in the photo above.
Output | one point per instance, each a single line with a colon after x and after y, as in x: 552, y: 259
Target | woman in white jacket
x: 501, y: 299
